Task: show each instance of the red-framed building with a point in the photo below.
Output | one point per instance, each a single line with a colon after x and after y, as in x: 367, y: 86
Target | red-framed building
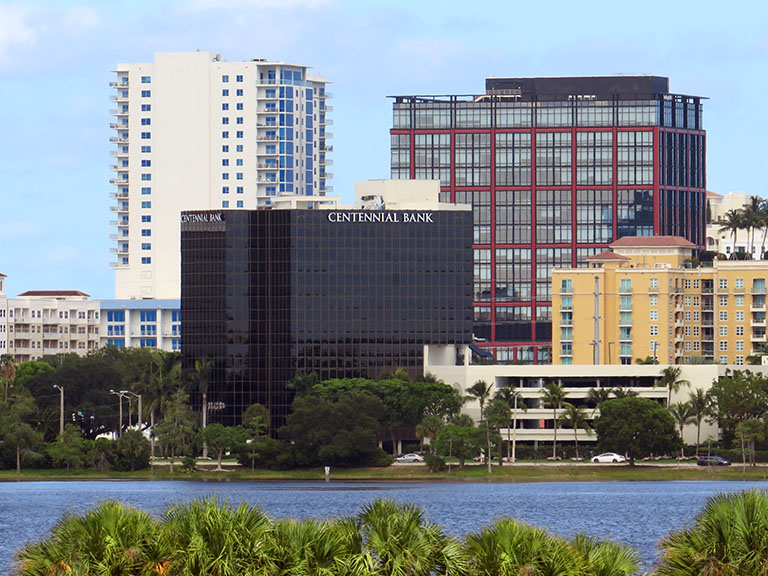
x: 556, y: 169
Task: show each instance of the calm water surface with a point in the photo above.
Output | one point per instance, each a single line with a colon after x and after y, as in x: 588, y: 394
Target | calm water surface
x: 635, y: 513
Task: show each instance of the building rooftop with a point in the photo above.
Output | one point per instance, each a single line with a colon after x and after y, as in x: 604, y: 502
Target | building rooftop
x: 597, y: 87
x: 53, y: 294
x: 607, y: 255
x: 139, y: 304
x: 653, y: 242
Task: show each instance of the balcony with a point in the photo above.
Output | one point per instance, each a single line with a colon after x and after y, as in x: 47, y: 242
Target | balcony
x: 757, y: 322
x: 267, y: 138
x: 325, y: 147
x: 119, y: 111
x: 268, y: 166
x: 118, y: 140
x: 758, y: 289
x: 265, y: 153
x: 679, y: 308
x: 267, y: 111
x: 119, y: 181
x: 326, y: 122
x: 757, y: 307
x: 118, y: 98
x: 113, y: 236
x: 739, y: 290
x: 758, y: 337
x: 326, y: 188
x: 263, y: 180
x: 118, y: 195
x: 120, y: 84
x: 119, y: 126
x: 326, y: 95
x: 117, y: 154
x: 679, y: 338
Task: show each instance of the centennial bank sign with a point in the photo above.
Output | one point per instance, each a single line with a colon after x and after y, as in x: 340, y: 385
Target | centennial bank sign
x: 381, y: 216
x: 202, y: 217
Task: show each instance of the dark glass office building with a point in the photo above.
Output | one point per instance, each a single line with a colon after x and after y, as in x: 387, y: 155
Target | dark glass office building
x: 344, y: 293
x: 556, y: 169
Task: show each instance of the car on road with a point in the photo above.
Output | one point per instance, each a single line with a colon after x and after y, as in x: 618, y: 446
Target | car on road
x: 712, y: 461
x: 611, y: 457
x: 410, y: 458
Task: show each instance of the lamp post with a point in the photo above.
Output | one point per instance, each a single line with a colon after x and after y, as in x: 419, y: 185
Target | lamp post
x: 119, y: 395
x: 138, y: 420
x: 61, y: 408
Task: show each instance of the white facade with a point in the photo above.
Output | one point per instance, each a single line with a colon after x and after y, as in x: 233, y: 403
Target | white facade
x: 452, y: 366
x: 726, y: 242
x: 195, y: 132
x: 48, y: 322
x: 141, y: 323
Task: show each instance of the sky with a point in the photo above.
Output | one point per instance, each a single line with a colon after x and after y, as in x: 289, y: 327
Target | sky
x: 56, y: 59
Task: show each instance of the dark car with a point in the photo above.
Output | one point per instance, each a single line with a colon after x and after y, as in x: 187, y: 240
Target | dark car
x: 713, y: 461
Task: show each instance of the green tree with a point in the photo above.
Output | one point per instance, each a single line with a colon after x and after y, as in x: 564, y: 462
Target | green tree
x: 497, y: 416
x: 481, y: 391
x: 511, y: 396
x: 16, y: 432
x: 70, y: 450
x: 340, y: 433
x: 177, y: 430
x: 7, y: 373
x: 736, y: 396
x: 256, y: 418
x: 726, y: 538
x: 131, y: 451
x: 683, y: 414
x: 750, y: 431
x: 552, y: 396
x: 460, y: 439
x: 597, y: 396
x: 221, y: 439
x: 621, y: 392
x: 636, y: 426
x: 670, y: 379
x: 732, y: 221
x: 575, y: 417
x: 201, y: 376
x: 700, y: 408
x: 428, y: 428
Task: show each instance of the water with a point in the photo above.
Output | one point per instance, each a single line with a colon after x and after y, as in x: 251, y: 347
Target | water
x: 635, y: 513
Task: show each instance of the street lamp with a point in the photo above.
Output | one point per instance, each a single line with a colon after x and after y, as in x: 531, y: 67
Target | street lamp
x: 61, y: 409
x: 119, y: 395
x: 129, y: 407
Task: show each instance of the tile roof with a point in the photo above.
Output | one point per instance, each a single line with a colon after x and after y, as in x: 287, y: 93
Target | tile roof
x: 653, y: 241
x: 608, y: 255
x: 54, y: 293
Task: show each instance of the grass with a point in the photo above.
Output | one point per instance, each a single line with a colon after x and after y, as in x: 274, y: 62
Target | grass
x: 568, y: 472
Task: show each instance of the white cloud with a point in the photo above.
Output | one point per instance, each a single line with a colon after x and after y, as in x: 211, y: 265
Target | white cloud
x: 81, y: 19
x: 15, y: 30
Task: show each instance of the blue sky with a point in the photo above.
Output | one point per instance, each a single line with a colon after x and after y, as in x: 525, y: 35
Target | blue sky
x: 56, y: 58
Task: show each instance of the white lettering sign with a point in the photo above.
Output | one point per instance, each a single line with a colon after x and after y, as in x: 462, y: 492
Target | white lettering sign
x: 381, y: 216
x: 204, y: 217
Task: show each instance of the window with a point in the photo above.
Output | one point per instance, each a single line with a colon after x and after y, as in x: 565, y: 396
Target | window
x: 723, y: 283
x: 225, y: 203
x: 225, y: 92
x: 687, y: 300
x: 146, y: 177
x: 239, y: 175
x: 239, y: 92
x: 239, y: 120
x: 146, y: 190
x: 146, y: 93
x: 146, y: 107
x: 146, y: 121
x: 146, y: 79
x: 739, y: 300
x: 225, y: 78
x: 687, y: 330
x: 146, y: 260
x: 239, y: 189
x: 146, y: 135
x: 225, y: 134
x: 653, y: 300
x: 225, y: 189
x: 239, y: 162
x: 654, y: 283
x: 723, y: 300
x: 146, y: 246
x: 225, y: 120
x: 239, y: 134
x: 740, y: 360
x: 723, y: 345
x: 687, y: 316
x: 625, y: 303
x: 739, y: 345
x: 654, y: 315
x: 687, y: 284
x: 146, y: 204
x: 695, y: 284
x: 225, y: 162
x: 654, y: 330
x: 695, y: 315
x: 239, y: 148
x: 739, y: 330
x: 723, y: 316
x: 146, y: 218
x: 239, y: 203
x: 239, y: 106
x: 146, y: 232
x: 225, y: 176
x: 723, y: 331
x: 566, y: 286
x: 739, y: 315
x: 739, y: 283
x: 146, y: 149
x: 225, y: 106
x: 239, y: 78
x: 566, y: 303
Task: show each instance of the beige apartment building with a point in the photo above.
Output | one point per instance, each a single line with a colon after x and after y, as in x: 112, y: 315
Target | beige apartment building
x: 643, y: 298
x: 39, y: 323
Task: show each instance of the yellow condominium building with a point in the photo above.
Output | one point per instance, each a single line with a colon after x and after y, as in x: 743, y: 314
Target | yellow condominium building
x: 645, y: 298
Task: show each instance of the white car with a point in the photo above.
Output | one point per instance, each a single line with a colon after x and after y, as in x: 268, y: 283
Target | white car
x: 410, y: 458
x: 609, y: 457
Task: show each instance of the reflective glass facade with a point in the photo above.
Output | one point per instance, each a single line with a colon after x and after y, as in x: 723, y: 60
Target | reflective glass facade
x: 556, y: 169
x: 269, y: 294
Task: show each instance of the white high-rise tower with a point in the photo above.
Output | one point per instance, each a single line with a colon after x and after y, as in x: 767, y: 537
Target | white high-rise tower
x: 195, y: 132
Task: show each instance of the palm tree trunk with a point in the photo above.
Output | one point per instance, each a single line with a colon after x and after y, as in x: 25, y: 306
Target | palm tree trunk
x: 221, y: 454
x: 682, y: 447
x: 488, y: 447
x: 18, y: 459
x: 152, y: 425
x: 554, y: 430
x: 576, y: 441
x: 205, y: 423
x: 698, y: 436
x: 509, y: 444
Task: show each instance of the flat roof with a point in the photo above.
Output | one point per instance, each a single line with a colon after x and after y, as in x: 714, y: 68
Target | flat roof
x: 134, y: 304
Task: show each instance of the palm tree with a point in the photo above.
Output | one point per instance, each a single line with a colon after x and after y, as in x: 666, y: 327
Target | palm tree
x: 597, y: 396
x: 552, y: 396
x: 699, y: 402
x: 728, y: 537
x: 683, y: 414
x: 7, y: 372
x: 670, y: 379
x: 621, y: 392
x: 397, y: 539
x: 311, y: 547
x: 753, y: 217
x: 575, y: 417
x: 481, y: 391
x: 732, y: 222
x: 200, y: 378
x: 511, y: 395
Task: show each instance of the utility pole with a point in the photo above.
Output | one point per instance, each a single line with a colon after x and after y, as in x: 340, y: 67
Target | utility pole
x: 138, y: 420
x: 61, y: 409
x: 119, y: 395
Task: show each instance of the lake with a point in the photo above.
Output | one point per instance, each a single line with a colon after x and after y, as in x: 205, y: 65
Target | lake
x: 635, y: 513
